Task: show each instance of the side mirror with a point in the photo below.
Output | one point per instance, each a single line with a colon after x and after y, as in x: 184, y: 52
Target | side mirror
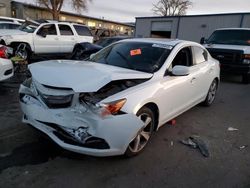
x: 203, y: 40
x: 180, y: 70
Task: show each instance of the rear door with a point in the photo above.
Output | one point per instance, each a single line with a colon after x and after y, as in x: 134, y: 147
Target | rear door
x: 67, y: 38
x: 83, y: 34
x: 46, y: 40
x: 203, y: 72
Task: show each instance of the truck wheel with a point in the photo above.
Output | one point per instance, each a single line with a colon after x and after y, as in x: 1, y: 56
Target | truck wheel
x: 245, y: 78
x: 24, y: 53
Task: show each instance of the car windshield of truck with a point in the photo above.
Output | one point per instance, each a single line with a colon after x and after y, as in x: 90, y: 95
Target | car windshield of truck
x: 231, y: 37
x: 27, y: 28
x: 141, y: 56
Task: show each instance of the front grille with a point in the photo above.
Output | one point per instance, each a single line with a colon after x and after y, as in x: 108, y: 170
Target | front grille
x: 226, y: 56
x: 57, y: 101
x: 92, y: 142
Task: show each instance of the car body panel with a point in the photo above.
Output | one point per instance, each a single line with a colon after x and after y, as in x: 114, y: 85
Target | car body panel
x: 171, y: 94
x: 76, y: 75
x: 6, y: 65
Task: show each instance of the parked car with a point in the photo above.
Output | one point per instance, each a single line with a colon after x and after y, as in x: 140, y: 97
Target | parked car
x: 9, y: 25
x: 231, y: 46
x: 9, y: 19
x: 111, y: 104
x: 49, y: 39
x: 85, y: 49
x: 6, y: 65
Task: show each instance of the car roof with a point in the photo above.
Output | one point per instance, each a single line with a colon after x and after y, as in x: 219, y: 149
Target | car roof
x: 13, y: 23
x: 232, y: 29
x: 170, y: 42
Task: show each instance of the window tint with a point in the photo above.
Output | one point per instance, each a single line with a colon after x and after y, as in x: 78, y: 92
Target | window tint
x: 200, y: 55
x: 65, y: 30
x: 14, y: 26
x: 47, y: 30
x: 234, y: 37
x: 82, y: 30
x: 183, y: 57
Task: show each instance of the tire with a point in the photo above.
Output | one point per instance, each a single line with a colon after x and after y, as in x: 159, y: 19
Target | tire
x: 141, y: 140
x: 245, y: 78
x: 211, y: 93
x: 23, y: 53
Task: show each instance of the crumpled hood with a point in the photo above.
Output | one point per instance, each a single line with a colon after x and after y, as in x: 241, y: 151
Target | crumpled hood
x: 4, y: 32
x: 246, y: 49
x: 81, y: 76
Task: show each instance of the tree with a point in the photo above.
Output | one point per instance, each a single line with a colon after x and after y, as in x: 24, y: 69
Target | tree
x: 171, y: 7
x: 55, y: 6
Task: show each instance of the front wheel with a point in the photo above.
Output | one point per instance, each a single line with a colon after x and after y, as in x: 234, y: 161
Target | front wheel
x: 143, y: 136
x: 211, y: 93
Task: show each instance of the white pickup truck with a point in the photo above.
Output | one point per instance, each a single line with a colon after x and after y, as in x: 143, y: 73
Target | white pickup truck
x: 48, y: 39
x: 231, y: 46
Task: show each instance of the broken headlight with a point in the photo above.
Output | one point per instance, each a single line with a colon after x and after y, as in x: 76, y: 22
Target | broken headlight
x: 111, y: 108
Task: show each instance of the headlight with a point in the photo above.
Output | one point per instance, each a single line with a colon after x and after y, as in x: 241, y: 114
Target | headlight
x: 112, y: 107
x: 246, y: 58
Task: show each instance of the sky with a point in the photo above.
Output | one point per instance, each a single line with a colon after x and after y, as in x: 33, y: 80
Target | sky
x: 127, y: 10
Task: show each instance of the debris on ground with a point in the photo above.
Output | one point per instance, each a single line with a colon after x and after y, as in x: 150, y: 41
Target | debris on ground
x: 172, y: 143
x: 172, y: 122
x: 243, y: 147
x: 232, y: 129
x: 195, y: 143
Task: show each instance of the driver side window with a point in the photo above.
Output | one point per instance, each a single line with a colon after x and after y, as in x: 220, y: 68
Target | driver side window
x: 47, y: 30
x: 183, y: 57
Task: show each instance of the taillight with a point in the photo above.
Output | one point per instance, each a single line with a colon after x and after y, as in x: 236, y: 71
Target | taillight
x: 3, y: 52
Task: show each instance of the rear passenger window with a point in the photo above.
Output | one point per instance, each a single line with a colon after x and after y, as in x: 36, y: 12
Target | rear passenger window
x: 82, y: 30
x: 65, y: 30
x: 200, y: 55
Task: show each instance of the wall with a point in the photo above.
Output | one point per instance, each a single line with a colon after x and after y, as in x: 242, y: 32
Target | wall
x: 193, y: 27
x: 5, y: 9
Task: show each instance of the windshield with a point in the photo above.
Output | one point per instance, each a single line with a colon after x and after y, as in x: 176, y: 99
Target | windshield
x: 27, y: 28
x: 146, y: 57
x: 232, y: 37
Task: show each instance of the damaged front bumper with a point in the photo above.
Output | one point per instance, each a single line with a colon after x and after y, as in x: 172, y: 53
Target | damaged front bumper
x: 77, y: 128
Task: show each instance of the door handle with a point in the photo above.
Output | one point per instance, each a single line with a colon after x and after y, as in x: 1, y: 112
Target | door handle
x: 193, y: 80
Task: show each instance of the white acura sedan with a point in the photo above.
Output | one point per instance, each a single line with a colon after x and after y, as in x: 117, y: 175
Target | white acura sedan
x: 111, y: 103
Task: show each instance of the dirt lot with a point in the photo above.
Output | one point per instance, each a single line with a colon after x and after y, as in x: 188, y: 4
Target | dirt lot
x: 27, y: 160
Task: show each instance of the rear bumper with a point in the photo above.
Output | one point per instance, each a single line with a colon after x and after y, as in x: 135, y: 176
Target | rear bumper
x: 235, y: 68
x: 6, y: 69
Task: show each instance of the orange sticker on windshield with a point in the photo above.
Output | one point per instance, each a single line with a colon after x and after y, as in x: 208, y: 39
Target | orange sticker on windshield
x: 135, y: 52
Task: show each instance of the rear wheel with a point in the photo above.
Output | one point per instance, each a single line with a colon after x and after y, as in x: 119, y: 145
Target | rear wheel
x: 143, y: 136
x: 211, y: 93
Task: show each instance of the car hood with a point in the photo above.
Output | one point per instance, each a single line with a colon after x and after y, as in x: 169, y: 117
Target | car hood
x: 246, y: 49
x: 4, y: 32
x: 81, y: 76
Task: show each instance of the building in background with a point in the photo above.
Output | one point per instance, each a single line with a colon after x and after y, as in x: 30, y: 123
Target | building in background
x: 188, y: 27
x: 23, y: 10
